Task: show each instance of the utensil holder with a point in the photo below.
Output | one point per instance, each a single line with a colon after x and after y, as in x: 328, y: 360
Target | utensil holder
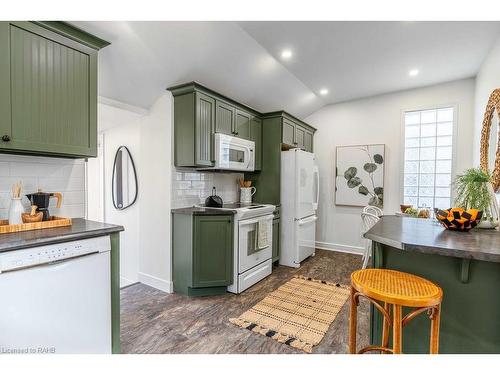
x: 246, y: 194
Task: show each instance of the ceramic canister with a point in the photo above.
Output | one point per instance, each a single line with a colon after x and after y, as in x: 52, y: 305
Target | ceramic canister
x: 15, y: 210
x: 246, y: 194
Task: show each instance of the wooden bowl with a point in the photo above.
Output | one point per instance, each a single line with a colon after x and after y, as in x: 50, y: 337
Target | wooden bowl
x: 28, y: 218
x: 459, y: 219
x: 404, y: 207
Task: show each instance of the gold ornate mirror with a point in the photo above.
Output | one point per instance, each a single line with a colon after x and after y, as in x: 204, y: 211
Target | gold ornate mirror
x: 490, y: 141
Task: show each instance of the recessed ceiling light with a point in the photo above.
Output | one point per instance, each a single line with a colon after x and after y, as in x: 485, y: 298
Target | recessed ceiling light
x: 413, y: 72
x: 323, y: 91
x: 286, y: 54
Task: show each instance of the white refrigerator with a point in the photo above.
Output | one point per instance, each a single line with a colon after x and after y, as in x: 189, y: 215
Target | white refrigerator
x: 299, y: 202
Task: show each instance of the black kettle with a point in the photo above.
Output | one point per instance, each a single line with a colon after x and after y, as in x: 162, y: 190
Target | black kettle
x: 213, y: 200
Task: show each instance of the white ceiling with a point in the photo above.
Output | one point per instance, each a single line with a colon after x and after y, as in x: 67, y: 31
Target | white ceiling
x: 242, y: 60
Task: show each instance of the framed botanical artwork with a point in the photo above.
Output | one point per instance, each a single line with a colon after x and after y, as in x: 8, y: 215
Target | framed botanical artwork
x: 359, y: 176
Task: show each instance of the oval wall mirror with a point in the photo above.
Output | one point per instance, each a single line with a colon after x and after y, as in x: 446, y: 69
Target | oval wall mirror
x: 124, y: 182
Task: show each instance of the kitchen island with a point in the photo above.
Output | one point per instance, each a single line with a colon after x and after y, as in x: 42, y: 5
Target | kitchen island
x: 465, y: 265
x: 80, y: 230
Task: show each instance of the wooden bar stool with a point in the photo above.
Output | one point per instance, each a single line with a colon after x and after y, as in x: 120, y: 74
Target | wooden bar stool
x: 396, y: 289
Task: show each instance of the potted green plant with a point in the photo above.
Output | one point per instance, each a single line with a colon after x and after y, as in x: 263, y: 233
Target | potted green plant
x: 474, y: 190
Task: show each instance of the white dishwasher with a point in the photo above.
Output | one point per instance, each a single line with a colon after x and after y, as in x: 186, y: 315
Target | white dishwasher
x: 56, y: 298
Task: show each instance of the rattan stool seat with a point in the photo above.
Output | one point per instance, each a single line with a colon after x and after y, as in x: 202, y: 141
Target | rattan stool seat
x: 396, y: 287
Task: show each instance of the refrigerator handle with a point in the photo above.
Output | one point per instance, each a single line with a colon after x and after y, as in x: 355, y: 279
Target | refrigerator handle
x: 316, y: 174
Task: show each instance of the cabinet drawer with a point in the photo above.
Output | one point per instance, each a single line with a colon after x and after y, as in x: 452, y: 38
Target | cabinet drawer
x: 250, y: 277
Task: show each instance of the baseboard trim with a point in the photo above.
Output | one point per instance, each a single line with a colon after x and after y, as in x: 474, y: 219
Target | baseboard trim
x: 358, y: 250
x: 124, y: 282
x: 156, y: 282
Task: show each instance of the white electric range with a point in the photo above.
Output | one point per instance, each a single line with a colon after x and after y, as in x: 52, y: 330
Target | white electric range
x: 251, y: 263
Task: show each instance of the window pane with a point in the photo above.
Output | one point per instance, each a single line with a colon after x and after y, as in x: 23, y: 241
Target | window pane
x: 428, y: 130
x: 411, y: 191
x: 426, y: 192
x: 428, y: 116
x: 443, y: 203
x: 412, y: 131
x: 427, y: 153
x: 427, y: 166
x: 443, y: 180
x: 427, y: 142
x: 426, y: 180
x: 412, y: 118
x: 411, y: 200
x: 443, y: 192
x: 445, y: 114
x: 443, y: 152
x: 412, y: 142
x: 411, y: 154
x: 411, y: 179
x: 411, y: 167
x: 443, y: 166
x: 429, y: 202
x: 444, y: 141
x: 445, y: 128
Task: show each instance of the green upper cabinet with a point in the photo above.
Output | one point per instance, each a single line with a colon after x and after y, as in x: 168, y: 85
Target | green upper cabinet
x: 48, y: 91
x: 288, y: 132
x: 256, y: 136
x: 300, y: 134
x: 205, y: 119
x: 308, y: 140
x: 242, y: 125
x: 199, y: 113
x: 225, y: 118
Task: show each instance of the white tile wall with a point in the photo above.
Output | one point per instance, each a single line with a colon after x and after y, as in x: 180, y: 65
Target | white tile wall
x: 191, y: 187
x: 66, y: 176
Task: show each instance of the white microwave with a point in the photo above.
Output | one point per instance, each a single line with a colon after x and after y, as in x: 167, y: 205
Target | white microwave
x: 233, y: 154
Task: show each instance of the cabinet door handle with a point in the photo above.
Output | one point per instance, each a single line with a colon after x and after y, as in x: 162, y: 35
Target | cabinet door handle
x: 6, y: 138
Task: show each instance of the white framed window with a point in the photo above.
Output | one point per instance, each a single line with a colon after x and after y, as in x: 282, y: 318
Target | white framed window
x: 428, y: 157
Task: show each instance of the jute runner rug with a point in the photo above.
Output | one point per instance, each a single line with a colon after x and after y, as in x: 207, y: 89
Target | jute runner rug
x: 298, y: 313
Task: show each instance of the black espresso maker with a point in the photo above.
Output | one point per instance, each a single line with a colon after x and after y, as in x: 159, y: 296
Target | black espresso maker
x: 41, y: 200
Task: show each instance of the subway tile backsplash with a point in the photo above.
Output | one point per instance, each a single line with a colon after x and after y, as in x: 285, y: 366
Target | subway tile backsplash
x: 49, y: 174
x: 191, y: 187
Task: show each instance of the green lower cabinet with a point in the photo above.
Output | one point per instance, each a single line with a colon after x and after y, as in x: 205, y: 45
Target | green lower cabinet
x: 470, y: 312
x: 202, y: 253
x: 276, y: 239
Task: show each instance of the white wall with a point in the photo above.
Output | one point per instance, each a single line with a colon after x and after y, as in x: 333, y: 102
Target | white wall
x: 66, y: 176
x: 117, y: 127
x: 155, y: 185
x: 378, y: 120
x: 145, y: 253
x: 488, y: 79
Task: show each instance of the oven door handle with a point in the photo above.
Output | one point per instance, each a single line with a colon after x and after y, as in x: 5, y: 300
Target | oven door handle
x: 253, y: 221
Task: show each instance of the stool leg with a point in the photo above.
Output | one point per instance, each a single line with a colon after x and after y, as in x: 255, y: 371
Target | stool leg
x: 397, y: 329
x: 385, y: 327
x: 353, y: 323
x: 436, y: 315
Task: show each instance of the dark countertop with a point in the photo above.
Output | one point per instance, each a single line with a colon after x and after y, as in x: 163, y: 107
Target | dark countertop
x: 200, y: 211
x: 429, y: 237
x: 80, y: 229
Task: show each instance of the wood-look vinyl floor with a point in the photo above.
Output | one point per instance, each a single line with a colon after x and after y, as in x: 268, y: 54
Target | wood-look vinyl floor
x: 156, y: 322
